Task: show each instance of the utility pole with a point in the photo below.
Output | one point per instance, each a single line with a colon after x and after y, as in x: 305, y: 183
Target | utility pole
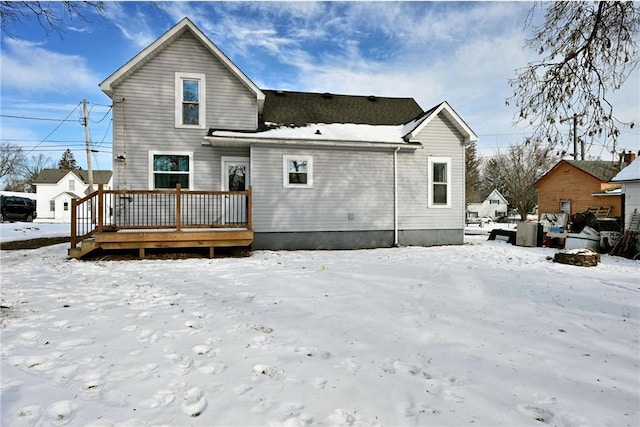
x: 575, y: 137
x: 87, y: 137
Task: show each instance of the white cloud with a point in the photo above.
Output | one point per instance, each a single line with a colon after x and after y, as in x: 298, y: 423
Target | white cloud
x: 132, y: 23
x: 29, y: 67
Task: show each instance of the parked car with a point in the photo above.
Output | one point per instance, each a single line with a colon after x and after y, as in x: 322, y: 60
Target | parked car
x: 17, y: 208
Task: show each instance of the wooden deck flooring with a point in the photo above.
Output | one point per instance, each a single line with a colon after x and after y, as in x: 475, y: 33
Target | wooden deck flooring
x: 165, y: 239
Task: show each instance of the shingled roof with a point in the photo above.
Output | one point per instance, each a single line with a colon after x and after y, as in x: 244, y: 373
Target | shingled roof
x: 302, y: 108
x: 52, y: 176
x: 601, y: 169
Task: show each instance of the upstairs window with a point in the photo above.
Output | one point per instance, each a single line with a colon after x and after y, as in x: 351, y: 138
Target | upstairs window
x: 190, y: 100
x: 72, y: 185
x: 170, y: 169
x: 440, y: 182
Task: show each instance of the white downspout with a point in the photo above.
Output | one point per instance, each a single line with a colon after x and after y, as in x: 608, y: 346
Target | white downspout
x: 395, y: 197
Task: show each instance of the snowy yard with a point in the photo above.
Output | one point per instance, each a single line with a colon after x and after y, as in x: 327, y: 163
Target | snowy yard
x: 483, y: 334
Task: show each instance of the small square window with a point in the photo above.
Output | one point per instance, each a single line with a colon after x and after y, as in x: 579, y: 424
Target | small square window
x: 298, y: 171
x: 65, y: 206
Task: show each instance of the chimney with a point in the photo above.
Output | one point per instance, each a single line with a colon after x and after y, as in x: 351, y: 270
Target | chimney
x: 629, y: 157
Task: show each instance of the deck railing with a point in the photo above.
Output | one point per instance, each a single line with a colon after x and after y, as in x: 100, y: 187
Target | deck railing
x: 113, y: 210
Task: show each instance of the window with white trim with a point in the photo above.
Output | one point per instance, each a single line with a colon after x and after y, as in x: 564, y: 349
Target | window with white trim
x: 190, y: 100
x: 439, y: 182
x: 52, y: 205
x: 297, y: 171
x: 167, y: 169
x: 72, y: 185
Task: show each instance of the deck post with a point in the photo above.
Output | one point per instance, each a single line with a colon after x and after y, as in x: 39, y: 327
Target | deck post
x: 249, y: 208
x: 100, y: 208
x: 178, y: 207
x: 74, y: 220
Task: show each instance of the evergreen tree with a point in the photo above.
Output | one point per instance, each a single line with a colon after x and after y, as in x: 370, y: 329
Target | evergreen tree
x: 68, y: 161
x: 472, y: 172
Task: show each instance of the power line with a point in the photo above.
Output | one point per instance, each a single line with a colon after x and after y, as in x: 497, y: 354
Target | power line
x: 37, y: 118
x: 56, y: 128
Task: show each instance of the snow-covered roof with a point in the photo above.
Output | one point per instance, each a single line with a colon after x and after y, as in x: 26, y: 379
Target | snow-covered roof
x: 630, y: 173
x: 336, y: 132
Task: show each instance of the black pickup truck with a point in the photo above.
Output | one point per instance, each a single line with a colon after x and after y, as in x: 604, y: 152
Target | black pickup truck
x: 17, y: 208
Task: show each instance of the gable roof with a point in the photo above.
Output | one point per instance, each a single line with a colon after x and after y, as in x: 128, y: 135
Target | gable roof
x: 630, y: 173
x: 53, y: 176
x: 497, y: 194
x: 601, y: 170
x: 303, y: 108
x: 449, y: 112
x: 163, y: 41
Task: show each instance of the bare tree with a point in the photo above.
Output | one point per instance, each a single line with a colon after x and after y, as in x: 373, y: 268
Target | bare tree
x: 590, y: 49
x: 515, y: 173
x: 50, y: 15
x: 12, y: 159
x: 32, y: 169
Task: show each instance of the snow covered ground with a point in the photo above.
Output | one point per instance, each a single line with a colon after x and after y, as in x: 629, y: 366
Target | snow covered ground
x: 14, y: 231
x: 483, y: 334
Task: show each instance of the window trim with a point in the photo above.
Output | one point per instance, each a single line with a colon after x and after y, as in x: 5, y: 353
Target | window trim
x: 202, y: 111
x: 431, y: 162
x: 170, y: 153
x: 285, y: 170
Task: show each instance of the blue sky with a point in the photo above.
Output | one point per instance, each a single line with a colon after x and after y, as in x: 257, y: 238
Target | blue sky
x: 461, y: 52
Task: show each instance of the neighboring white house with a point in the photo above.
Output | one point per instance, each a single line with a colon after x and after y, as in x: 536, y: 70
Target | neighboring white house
x: 56, y: 187
x: 629, y: 177
x: 494, y: 206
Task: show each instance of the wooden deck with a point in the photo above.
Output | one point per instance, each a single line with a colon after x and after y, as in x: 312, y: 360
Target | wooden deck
x: 160, y: 219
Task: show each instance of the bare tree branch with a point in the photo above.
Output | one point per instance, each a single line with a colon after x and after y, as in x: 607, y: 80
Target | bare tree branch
x: 590, y: 50
x: 50, y: 15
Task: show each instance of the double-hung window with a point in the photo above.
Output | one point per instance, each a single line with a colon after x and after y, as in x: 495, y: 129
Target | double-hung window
x: 190, y: 100
x: 167, y: 169
x: 297, y: 171
x: 439, y: 182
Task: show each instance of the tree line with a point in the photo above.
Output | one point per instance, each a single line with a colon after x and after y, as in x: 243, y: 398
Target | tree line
x: 18, y: 170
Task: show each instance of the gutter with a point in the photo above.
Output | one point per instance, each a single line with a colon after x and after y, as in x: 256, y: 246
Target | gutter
x: 395, y: 197
x: 236, y: 141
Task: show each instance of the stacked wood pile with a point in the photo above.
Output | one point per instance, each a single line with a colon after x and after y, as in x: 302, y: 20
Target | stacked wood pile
x: 628, y: 246
x: 582, y: 258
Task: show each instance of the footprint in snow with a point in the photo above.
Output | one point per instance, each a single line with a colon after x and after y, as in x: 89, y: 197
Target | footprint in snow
x: 268, y: 371
x: 160, y: 398
x: 342, y: 418
x: 27, y: 416
x: 180, y: 361
x: 202, y: 350
x: 213, y: 368
x: 312, y: 352
x: 60, y: 413
x: 194, y: 402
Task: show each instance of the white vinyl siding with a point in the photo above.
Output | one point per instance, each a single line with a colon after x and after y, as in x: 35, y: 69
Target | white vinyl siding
x: 439, y: 139
x: 352, y: 190
x: 145, y: 101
